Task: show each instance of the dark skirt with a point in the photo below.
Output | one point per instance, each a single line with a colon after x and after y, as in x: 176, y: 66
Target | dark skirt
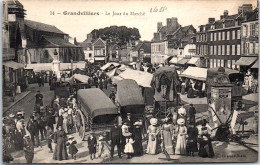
x: 18, y: 141
x: 192, y: 146
x: 92, y: 150
x: 73, y: 149
x: 60, y: 121
x: 206, y: 149
x: 190, y: 93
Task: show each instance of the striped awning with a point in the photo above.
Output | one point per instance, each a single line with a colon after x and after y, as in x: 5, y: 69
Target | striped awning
x: 256, y: 65
x: 246, y: 61
x: 13, y: 64
x: 183, y: 61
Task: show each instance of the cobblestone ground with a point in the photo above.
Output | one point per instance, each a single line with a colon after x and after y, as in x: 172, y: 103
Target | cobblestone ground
x: 27, y: 103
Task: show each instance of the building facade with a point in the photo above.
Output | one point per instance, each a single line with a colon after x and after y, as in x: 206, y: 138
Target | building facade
x: 141, y: 52
x: 249, y: 43
x: 159, y: 52
x: 219, y: 42
x: 100, y: 51
x: 13, y: 72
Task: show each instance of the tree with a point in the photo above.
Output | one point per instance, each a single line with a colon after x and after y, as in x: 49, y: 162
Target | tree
x: 119, y: 35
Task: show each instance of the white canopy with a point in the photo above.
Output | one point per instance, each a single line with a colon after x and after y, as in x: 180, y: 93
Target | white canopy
x: 116, y: 79
x: 195, y: 73
x: 80, y: 77
x: 194, y: 61
x: 107, y: 65
x: 142, y: 78
x: 111, y: 73
x: 174, y: 60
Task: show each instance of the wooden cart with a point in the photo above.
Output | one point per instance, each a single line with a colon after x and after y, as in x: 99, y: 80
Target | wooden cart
x: 96, y: 112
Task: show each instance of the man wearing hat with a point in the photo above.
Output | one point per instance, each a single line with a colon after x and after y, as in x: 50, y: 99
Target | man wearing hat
x: 28, y: 149
x: 39, y: 98
x: 112, y: 96
x: 192, y: 113
x: 33, y: 128
x: 51, y: 118
x: 129, y: 122
x: 115, y: 137
x: 92, y: 143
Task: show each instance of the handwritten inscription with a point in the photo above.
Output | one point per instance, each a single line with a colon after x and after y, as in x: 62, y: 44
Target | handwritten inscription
x: 158, y: 9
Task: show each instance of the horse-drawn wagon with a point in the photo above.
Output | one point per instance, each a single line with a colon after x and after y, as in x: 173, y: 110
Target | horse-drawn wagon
x: 96, y: 112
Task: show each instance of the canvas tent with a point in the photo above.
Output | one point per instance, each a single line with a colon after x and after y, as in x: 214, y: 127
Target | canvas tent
x: 81, y: 78
x: 142, y: 78
x: 195, y: 73
x: 107, y: 65
x: 129, y: 97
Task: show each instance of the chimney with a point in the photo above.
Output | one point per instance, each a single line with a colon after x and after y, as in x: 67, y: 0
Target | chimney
x: 172, y: 24
x: 245, y: 8
x: 211, y: 20
x: 159, y: 26
x: 225, y: 13
x: 156, y: 36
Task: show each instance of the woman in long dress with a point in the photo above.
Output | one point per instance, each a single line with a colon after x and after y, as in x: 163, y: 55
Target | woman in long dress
x: 65, y: 120
x: 153, y: 131
x: 60, y: 118
x: 168, y: 136
x: 205, y: 145
x: 181, y: 137
x: 137, y: 134
x: 70, y: 119
x: 60, y: 152
x: 192, y: 140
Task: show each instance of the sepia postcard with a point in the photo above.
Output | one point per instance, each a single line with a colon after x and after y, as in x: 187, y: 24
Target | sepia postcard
x: 129, y: 81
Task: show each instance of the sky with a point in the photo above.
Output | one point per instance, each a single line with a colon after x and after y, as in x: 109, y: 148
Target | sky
x: 195, y: 12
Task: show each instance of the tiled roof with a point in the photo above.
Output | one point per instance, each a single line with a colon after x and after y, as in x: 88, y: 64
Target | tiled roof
x: 163, y: 29
x: 85, y: 45
x: 138, y: 46
x: 42, y: 27
x: 185, y: 28
x: 55, y: 42
x: 99, y: 41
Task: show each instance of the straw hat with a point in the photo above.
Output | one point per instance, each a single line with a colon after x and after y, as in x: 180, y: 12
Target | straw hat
x: 180, y: 121
x: 26, y: 136
x: 70, y: 137
x: 19, y: 113
x: 11, y: 115
x: 153, y: 121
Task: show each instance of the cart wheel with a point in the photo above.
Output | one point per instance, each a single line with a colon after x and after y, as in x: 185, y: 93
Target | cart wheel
x: 82, y: 127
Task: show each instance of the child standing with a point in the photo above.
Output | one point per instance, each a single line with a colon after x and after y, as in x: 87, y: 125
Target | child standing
x: 50, y: 136
x: 129, y: 150
x: 103, y: 147
x: 92, y: 143
x: 72, y: 148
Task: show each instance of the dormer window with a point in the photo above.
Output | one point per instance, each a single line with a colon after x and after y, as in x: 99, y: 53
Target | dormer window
x: 236, y: 22
x: 212, y: 27
x: 223, y: 24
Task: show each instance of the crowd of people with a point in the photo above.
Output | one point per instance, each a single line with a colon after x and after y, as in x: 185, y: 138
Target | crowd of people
x: 57, y: 122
